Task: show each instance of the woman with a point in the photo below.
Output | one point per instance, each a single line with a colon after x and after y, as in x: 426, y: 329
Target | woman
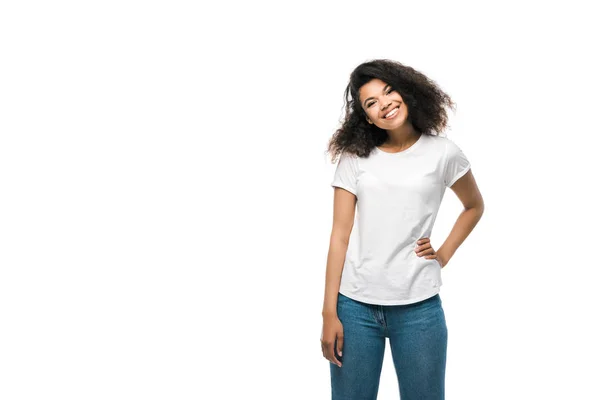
x: 383, y: 274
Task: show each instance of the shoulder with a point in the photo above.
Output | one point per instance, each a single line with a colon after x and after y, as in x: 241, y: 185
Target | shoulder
x: 439, y: 140
x: 348, y: 161
x: 435, y: 144
x: 447, y: 145
x: 347, y: 157
x: 436, y: 139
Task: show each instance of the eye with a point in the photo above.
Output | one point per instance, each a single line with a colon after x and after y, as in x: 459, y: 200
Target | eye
x: 388, y: 92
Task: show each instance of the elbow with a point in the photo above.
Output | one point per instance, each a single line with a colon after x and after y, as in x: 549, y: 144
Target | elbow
x: 340, y: 238
x: 478, y: 209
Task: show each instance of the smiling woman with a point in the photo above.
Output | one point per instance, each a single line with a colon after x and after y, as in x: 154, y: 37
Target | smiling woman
x: 375, y: 89
x: 383, y: 275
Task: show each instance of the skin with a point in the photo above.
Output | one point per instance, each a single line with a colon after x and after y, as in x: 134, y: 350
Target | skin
x: 377, y: 101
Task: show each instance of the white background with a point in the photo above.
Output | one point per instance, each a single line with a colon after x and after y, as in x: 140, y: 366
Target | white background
x: 165, y: 202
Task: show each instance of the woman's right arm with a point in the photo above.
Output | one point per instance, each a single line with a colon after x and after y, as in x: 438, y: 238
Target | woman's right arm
x: 344, y: 205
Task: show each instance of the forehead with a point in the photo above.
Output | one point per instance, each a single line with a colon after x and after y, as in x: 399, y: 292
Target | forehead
x: 371, y: 88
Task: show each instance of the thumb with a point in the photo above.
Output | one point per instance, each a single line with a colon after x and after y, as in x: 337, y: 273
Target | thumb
x: 340, y: 343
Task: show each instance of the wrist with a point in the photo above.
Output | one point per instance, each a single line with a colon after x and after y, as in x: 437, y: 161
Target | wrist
x: 445, y: 253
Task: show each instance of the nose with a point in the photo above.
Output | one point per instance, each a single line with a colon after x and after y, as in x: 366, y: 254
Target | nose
x: 386, y: 105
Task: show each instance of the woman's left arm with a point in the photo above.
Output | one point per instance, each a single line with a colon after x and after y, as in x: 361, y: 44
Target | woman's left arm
x: 468, y: 193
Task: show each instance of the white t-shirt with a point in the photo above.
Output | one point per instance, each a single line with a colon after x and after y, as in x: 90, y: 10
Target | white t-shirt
x: 398, y: 198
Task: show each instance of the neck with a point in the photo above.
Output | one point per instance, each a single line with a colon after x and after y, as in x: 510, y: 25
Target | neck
x: 403, y: 136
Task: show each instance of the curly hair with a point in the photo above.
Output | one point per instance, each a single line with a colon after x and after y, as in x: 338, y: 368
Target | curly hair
x: 424, y: 100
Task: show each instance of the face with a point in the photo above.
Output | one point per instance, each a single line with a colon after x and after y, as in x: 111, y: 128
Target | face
x: 383, y: 105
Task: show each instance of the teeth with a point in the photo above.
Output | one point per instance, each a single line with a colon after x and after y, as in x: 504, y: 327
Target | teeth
x: 392, y: 113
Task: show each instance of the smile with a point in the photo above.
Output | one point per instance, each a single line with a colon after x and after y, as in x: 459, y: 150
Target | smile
x: 392, y: 113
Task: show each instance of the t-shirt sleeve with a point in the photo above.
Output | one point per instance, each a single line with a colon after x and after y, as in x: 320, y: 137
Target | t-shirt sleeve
x: 456, y: 164
x: 346, y: 173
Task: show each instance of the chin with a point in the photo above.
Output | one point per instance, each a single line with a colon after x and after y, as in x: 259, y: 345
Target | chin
x: 392, y: 125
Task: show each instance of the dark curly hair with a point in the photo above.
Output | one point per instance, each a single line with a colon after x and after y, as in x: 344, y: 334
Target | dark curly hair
x: 424, y: 100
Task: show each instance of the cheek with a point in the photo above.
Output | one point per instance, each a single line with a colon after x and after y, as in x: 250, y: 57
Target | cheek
x: 372, y: 114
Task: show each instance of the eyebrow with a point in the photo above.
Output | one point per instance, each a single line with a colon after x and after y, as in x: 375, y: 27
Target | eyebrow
x: 386, y: 86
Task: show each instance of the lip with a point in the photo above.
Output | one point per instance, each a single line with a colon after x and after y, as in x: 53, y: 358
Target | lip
x: 395, y: 115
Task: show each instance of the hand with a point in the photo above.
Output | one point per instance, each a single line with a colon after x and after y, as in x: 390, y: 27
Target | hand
x: 333, y: 334
x: 424, y: 249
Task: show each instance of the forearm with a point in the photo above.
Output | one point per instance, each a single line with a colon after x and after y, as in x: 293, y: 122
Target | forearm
x: 463, y: 226
x: 333, y: 274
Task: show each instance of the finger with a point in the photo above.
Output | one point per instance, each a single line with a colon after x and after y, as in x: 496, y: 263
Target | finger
x: 340, y: 344
x: 333, y: 358
x: 422, y: 243
x: 425, y: 249
x: 326, y: 346
x: 426, y: 252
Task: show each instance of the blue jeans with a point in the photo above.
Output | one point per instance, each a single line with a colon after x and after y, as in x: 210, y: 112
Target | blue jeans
x: 418, y: 338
